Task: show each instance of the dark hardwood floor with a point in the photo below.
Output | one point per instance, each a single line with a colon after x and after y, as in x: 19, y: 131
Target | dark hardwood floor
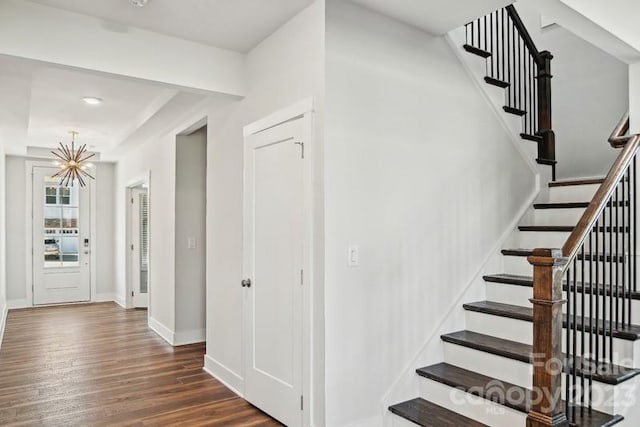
x: 98, y: 365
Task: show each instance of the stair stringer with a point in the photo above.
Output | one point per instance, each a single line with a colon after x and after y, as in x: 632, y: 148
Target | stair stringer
x: 407, y: 385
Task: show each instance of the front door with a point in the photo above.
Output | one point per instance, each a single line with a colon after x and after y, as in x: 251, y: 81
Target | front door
x: 61, y: 240
x: 273, y: 268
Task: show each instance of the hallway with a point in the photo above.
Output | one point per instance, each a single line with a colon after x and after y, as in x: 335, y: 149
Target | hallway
x: 98, y: 364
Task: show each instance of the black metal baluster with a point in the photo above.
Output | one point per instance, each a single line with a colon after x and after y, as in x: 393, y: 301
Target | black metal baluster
x: 597, y: 285
x: 633, y: 254
x: 623, y: 248
x: 492, y: 50
x: 567, y: 364
x: 502, y: 27
x: 520, y: 69
x: 604, y: 284
x: 583, y: 327
x: 572, y: 324
x: 591, y: 316
x: 627, y: 207
x: 611, y: 281
x: 508, y: 53
x: 617, y: 263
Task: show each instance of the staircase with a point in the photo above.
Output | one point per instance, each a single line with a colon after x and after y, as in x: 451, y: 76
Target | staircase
x: 578, y: 304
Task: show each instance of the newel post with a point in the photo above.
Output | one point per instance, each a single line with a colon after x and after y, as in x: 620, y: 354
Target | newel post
x: 547, y: 149
x: 546, y: 401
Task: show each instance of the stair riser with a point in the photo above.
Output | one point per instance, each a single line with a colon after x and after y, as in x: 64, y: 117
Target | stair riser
x: 573, y: 193
x: 474, y: 407
x: 397, y: 421
x: 557, y: 216
x: 627, y: 353
x: 520, y: 266
x: 518, y: 373
x: 536, y: 239
x: 520, y: 295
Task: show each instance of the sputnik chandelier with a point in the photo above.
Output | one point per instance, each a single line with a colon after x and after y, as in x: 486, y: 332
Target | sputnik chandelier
x: 73, y: 164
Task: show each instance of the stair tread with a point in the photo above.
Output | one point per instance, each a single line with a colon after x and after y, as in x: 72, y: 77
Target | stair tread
x: 528, y: 136
x: 512, y: 110
x: 607, y: 373
x: 587, y: 256
x: 573, y: 205
x: 519, y: 280
x: 476, y: 51
x: 629, y: 332
x: 428, y: 414
x: 496, y: 82
x: 568, y: 228
x: 494, y: 390
x: 570, y: 182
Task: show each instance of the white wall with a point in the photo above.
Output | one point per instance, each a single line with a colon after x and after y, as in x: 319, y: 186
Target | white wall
x: 3, y: 241
x: 285, y: 68
x: 590, y: 95
x: 190, y: 279
x: 590, y: 92
x: 421, y: 175
x: 17, y: 220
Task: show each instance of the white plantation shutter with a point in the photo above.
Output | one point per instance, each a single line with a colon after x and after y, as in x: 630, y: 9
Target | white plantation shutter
x: 144, y: 231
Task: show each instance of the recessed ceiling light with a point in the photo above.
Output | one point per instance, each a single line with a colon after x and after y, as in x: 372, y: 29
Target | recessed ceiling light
x: 92, y: 100
x: 139, y: 3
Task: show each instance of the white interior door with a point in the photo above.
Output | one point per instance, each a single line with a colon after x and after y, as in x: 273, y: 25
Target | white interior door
x: 273, y: 262
x: 61, y: 240
x: 139, y: 232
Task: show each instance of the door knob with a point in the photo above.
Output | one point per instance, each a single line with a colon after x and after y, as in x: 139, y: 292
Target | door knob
x: 246, y: 283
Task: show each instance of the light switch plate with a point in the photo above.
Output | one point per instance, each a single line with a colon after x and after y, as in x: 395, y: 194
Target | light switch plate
x: 353, y: 256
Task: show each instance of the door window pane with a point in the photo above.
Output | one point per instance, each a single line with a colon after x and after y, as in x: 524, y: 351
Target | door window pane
x: 61, y: 225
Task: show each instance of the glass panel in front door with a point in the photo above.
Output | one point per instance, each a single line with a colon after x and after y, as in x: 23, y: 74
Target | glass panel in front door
x: 61, y: 227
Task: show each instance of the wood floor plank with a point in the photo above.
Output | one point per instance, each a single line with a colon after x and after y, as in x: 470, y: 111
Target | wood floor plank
x: 100, y: 365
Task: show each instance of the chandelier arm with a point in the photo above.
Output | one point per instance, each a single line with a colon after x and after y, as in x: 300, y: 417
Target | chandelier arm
x: 65, y: 151
x: 87, y: 158
x: 58, y: 156
x: 85, y: 173
x: 80, y: 180
x: 79, y: 153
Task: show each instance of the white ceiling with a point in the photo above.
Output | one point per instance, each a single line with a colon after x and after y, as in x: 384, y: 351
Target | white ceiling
x: 41, y: 103
x: 56, y: 106
x: 434, y: 16
x: 230, y: 24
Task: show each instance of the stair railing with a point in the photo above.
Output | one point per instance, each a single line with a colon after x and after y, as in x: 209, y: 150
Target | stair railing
x: 596, y: 268
x: 514, y: 63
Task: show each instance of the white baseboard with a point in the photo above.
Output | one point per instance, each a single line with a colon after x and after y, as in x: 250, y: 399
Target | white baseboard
x: 190, y: 337
x: 118, y: 299
x: 3, y: 321
x: 104, y: 297
x: 223, y: 374
x: 18, y: 303
x: 165, y: 333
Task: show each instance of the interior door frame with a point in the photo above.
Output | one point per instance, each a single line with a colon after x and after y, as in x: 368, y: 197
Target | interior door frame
x: 29, y: 283
x: 144, y: 178
x: 302, y: 110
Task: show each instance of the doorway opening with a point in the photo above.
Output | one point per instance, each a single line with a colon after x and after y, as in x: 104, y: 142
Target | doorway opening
x: 138, y: 226
x: 190, y: 235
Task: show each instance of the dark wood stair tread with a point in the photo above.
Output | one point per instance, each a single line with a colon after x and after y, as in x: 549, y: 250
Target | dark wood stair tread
x: 427, y: 414
x: 568, y: 228
x: 517, y: 280
x: 529, y: 137
x: 512, y: 110
x: 496, y: 82
x: 576, y: 182
x: 476, y: 51
x: 587, y: 256
x: 629, y: 332
x: 496, y: 391
x: 608, y: 374
x: 573, y: 205
x: 547, y: 162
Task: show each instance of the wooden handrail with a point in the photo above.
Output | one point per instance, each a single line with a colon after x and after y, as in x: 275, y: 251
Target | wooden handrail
x: 619, y: 135
x: 522, y: 29
x: 597, y: 205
